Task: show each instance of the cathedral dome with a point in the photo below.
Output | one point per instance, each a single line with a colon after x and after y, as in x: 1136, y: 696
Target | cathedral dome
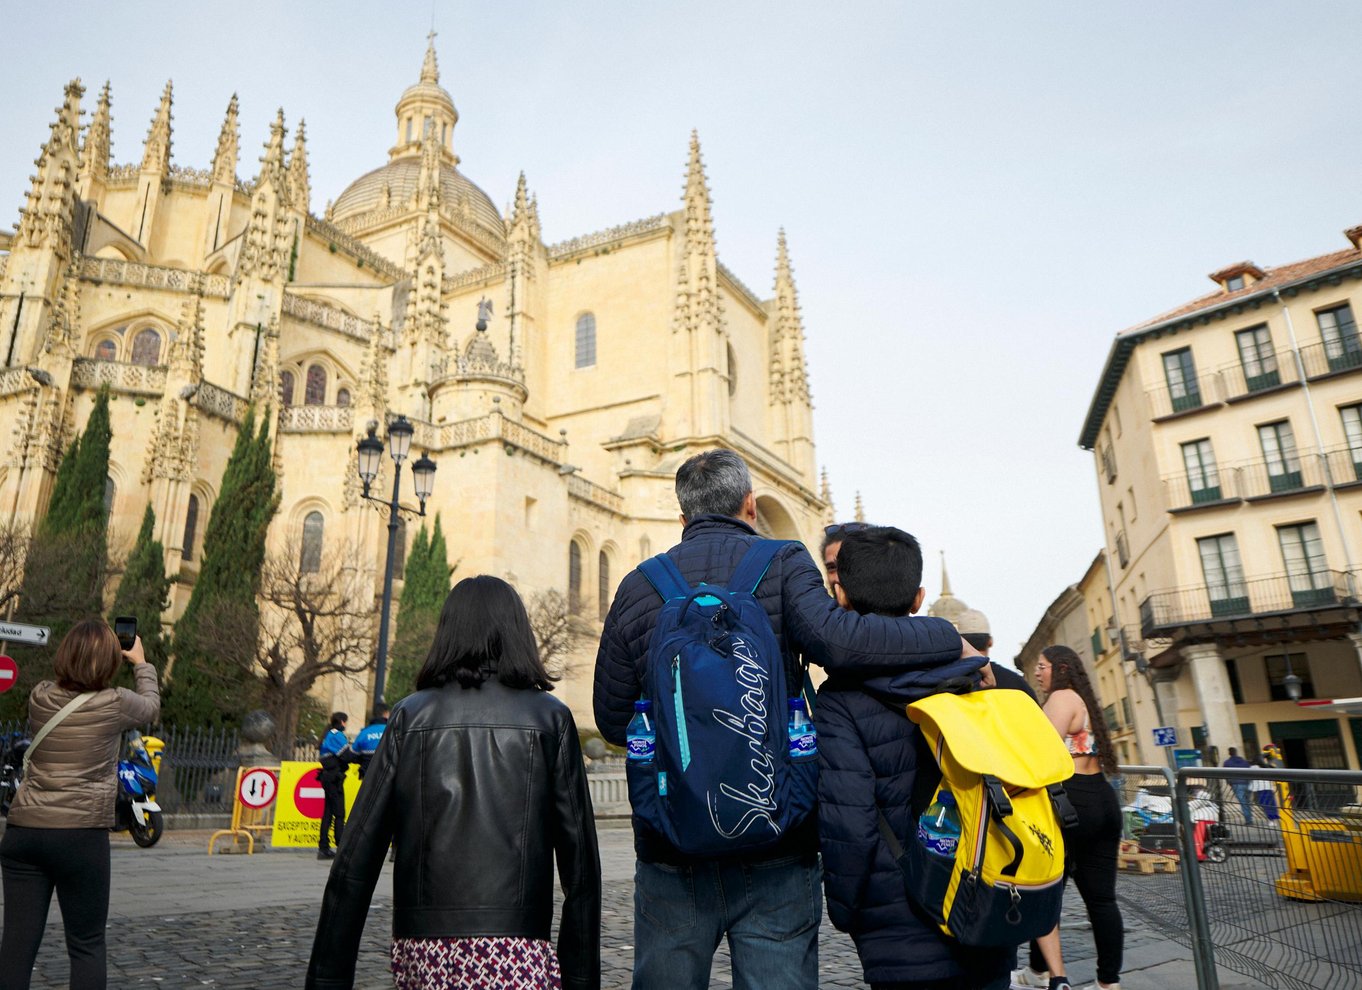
x: 394, y: 184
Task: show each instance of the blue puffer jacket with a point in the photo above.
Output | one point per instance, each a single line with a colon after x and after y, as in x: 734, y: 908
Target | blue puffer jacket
x: 871, y: 759
x: 806, y: 620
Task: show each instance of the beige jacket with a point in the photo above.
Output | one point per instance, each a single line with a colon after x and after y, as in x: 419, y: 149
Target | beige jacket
x: 71, y: 780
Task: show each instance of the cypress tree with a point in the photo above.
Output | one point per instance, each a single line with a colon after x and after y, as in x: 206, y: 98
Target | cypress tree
x: 212, y: 679
x: 424, y: 587
x: 67, y: 561
x: 144, y: 591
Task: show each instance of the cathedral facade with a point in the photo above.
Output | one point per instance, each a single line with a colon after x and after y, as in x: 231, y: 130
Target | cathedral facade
x: 556, y: 387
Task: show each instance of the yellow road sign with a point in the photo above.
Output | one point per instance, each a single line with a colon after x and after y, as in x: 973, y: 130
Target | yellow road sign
x: 298, y: 812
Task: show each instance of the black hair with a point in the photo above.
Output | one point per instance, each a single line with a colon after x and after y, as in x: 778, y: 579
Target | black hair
x: 381, y: 713
x: 838, y: 532
x: 484, y: 630
x: 338, y: 719
x: 980, y: 641
x: 1066, y: 671
x: 880, y: 569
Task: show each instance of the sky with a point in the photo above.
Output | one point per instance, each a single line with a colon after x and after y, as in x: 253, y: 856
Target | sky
x: 978, y: 195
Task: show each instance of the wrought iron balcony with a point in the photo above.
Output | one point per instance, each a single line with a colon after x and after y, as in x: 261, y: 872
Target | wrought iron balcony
x: 1259, y: 479
x: 1279, y: 369
x: 1202, y: 392
x: 1187, y: 491
x: 1280, y: 594
x: 1330, y: 359
x: 1345, y: 465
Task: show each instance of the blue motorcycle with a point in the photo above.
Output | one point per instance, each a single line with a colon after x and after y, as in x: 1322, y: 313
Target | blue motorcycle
x: 135, y: 809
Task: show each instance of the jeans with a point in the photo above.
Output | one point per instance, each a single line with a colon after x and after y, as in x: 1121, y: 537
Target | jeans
x: 1241, y: 791
x: 74, y: 861
x: 1090, y: 851
x: 769, y: 910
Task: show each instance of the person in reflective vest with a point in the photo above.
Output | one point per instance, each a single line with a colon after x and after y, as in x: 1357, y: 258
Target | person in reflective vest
x: 366, y: 743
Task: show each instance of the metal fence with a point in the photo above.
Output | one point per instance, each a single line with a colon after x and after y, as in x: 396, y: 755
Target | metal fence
x: 1257, y: 871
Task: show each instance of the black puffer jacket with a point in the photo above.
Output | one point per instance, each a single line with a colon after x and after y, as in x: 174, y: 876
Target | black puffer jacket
x: 478, y: 789
x: 806, y: 620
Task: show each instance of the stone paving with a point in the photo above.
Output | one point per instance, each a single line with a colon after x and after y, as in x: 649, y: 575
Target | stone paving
x: 179, y: 919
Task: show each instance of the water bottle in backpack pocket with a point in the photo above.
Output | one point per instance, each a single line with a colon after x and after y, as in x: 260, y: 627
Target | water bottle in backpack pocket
x: 722, y: 778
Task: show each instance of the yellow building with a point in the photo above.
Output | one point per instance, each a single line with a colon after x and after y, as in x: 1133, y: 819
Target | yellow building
x: 606, y: 360
x: 1227, y: 438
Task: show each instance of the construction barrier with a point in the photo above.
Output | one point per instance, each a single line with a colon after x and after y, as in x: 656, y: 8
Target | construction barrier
x: 253, y: 802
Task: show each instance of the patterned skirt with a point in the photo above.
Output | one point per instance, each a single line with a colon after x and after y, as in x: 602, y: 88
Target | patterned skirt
x: 475, y: 964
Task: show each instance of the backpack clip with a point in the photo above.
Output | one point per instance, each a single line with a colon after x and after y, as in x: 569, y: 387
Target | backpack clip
x: 997, y: 797
x: 1064, y: 809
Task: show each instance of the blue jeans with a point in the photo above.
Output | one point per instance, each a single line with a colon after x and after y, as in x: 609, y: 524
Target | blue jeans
x: 1241, y: 791
x: 770, y: 912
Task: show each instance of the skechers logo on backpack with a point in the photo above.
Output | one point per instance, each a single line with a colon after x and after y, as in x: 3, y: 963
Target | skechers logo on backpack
x: 755, y: 798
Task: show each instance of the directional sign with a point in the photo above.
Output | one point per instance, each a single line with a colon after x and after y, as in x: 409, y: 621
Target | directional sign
x: 258, y: 788
x: 1166, y: 736
x: 9, y: 674
x: 22, y: 632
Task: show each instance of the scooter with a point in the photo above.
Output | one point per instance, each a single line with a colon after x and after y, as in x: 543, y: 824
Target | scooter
x: 135, y: 809
x: 12, y: 749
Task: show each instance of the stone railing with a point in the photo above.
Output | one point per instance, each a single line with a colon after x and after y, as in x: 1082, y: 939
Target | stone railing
x: 364, y: 255
x: 135, y: 379
x: 495, y: 270
x: 123, y: 174
x: 331, y: 317
x: 608, y: 236
x: 152, y: 276
x: 194, y: 178
x: 316, y: 419
x: 741, y: 286
x: 480, y: 429
x: 528, y: 440
x: 13, y: 380
x: 593, y: 493
x: 221, y: 403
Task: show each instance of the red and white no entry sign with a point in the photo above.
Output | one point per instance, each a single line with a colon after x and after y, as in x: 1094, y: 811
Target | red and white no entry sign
x: 308, y: 796
x: 258, y: 788
x: 9, y: 673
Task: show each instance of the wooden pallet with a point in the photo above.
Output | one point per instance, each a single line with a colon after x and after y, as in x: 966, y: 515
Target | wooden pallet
x: 1147, y: 863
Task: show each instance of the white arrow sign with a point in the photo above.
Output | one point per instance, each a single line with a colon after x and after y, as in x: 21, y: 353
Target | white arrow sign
x: 22, y: 632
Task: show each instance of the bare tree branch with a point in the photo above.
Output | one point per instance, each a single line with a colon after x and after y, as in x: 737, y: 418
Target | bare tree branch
x: 555, y: 629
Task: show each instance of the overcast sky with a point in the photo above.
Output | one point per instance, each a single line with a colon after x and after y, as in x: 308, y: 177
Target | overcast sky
x: 978, y: 196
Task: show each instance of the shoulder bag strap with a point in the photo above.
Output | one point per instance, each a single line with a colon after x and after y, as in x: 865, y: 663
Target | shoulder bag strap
x: 887, y: 833
x: 54, y: 721
x: 754, y: 565
x: 665, y: 577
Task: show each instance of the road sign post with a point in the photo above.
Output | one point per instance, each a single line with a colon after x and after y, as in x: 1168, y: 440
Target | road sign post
x: 22, y: 632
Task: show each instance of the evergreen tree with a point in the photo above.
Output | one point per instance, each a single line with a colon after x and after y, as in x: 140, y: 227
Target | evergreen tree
x: 212, y: 680
x: 424, y: 588
x: 144, y: 591
x: 67, y: 561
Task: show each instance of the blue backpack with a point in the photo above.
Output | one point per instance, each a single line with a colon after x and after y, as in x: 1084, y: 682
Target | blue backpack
x: 722, y: 780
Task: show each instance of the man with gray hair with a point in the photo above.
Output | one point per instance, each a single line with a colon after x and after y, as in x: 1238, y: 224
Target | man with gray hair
x: 767, y: 902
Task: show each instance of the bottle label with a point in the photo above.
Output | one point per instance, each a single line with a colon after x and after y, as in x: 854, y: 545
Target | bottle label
x: 938, y: 843
x: 802, y: 745
x: 641, y: 748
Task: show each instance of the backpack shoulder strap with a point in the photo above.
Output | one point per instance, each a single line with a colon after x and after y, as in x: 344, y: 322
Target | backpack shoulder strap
x: 754, y: 565
x: 665, y: 577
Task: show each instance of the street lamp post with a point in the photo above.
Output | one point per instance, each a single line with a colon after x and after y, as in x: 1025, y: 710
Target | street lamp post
x: 423, y: 477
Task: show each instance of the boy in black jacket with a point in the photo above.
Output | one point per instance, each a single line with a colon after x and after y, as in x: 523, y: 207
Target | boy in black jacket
x: 871, y: 761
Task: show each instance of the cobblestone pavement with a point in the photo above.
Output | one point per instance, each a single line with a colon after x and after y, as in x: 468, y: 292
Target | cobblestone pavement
x: 182, y: 919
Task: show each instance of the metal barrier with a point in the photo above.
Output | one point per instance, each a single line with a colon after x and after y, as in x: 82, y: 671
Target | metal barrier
x: 246, y: 821
x: 1256, y: 870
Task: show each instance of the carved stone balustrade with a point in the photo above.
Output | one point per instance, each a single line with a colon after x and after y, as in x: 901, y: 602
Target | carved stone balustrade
x: 15, y: 380
x: 361, y: 252
x: 475, y: 275
x: 586, y: 242
x: 331, y: 317
x: 130, y: 379
x: 120, y: 272
x: 480, y: 429
x: 219, y: 402
x: 316, y: 419
x: 588, y: 491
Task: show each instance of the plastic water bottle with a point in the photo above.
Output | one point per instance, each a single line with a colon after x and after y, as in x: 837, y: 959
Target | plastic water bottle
x: 803, y: 738
x: 939, y: 826
x: 641, y: 737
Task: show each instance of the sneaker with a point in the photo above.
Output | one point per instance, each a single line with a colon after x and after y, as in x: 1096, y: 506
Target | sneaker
x: 1028, y: 977
x: 326, y: 854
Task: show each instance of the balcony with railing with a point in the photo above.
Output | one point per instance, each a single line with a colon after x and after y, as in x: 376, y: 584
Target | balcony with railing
x: 1164, y: 611
x: 1238, y: 382
x: 1263, y: 479
x: 316, y: 419
x: 120, y: 376
x: 1334, y: 358
x: 1345, y: 465
x: 1202, y: 392
x: 1184, y: 492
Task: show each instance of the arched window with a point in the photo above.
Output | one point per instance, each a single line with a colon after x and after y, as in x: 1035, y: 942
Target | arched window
x: 286, y: 388
x: 106, y: 350
x: 400, y: 549
x: 574, y: 577
x: 586, y: 340
x: 425, y: 127
x: 732, y: 371
x: 146, y: 348
x: 408, y: 130
x: 311, y: 561
x: 191, y: 525
x: 342, y: 396
x: 603, y: 585
x: 110, y: 492
x: 315, y: 392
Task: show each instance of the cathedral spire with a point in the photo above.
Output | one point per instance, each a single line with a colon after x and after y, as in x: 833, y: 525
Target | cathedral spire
x: 524, y: 214
x: 272, y: 164
x: 787, y: 337
x: 224, y: 159
x: 156, y: 154
x: 186, y: 351
x: 698, y: 304
x: 825, y: 494
x: 860, y: 509
x: 48, y: 215
x: 94, y: 163
x: 428, y: 182
x: 699, y: 223
x: 945, y: 578
x: 300, y: 192
x: 268, y: 239
x: 430, y: 68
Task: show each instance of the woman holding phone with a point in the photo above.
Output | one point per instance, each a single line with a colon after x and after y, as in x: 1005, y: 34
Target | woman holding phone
x: 58, y: 831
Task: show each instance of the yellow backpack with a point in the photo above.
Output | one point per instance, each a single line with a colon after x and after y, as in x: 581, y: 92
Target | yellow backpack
x: 1003, y: 763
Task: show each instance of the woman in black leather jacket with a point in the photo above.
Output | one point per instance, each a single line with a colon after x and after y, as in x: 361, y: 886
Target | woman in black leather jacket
x: 478, y: 783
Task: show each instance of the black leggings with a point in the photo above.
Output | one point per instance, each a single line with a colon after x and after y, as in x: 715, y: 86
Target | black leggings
x: 75, y: 861
x: 1090, y: 852
x: 333, y: 811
